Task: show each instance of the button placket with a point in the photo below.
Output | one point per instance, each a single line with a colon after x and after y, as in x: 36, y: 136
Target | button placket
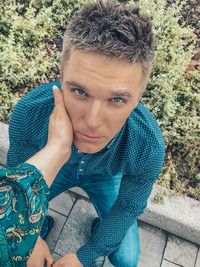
x: 80, y: 169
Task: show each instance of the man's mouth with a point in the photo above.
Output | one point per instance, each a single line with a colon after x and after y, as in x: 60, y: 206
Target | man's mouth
x: 87, y: 138
x: 90, y: 136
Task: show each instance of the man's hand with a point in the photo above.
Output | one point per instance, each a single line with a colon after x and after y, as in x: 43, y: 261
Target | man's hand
x: 40, y: 254
x: 69, y: 260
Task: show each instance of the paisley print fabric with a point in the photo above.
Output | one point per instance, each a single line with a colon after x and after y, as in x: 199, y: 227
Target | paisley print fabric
x: 23, y: 206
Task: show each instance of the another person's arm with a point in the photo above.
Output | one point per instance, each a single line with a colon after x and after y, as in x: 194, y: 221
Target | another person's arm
x: 49, y: 161
x: 26, y: 184
x: 58, y: 148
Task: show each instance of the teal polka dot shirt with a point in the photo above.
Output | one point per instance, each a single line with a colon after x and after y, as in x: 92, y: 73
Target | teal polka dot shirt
x: 137, y: 152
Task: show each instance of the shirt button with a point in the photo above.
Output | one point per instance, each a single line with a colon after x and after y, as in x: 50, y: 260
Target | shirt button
x: 82, y: 162
x: 79, y: 151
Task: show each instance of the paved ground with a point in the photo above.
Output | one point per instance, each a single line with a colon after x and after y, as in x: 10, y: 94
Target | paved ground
x: 73, y: 216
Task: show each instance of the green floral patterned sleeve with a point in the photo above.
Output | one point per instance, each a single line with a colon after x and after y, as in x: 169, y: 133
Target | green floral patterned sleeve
x: 23, y: 206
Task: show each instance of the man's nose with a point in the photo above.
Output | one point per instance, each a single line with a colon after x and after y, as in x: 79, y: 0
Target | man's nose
x: 93, y: 115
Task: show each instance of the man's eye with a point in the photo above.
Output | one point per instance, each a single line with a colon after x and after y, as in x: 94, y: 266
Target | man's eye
x: 78, y: 92
x: 118, y: 100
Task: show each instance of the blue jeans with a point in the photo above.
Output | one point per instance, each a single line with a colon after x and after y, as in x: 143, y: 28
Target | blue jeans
x: 102, y: 191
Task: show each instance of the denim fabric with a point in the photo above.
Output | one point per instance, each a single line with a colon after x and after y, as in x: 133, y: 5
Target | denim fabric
x: 103, y: 192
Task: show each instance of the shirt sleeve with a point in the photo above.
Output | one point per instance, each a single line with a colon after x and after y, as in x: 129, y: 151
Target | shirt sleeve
x: 20, y: 149
x: 24, y: 204
x: 132, y: 199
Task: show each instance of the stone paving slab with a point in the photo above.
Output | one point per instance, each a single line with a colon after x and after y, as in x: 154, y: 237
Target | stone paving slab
x: 107, y: 263
x: 198, y: 259
x: 76, y: 230
x: 152, y: 243
x: 180, y: 252
x: 62, y: 203
x: 59, y: 221
x: 55, y: 256
x: 79, y: 191
x: 166, y: 263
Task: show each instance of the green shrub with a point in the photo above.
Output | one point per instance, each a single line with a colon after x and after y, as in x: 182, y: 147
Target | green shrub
x: 173, y: 97
x: 30, y: 45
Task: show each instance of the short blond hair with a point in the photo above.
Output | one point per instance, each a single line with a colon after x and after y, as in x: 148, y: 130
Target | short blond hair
x: 112, y: 29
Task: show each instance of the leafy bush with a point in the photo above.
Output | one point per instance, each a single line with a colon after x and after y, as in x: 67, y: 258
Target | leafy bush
x: 173, y: 97
x: 30, y: 46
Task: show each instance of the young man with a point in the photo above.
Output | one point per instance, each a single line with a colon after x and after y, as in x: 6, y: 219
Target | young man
x: 117, y: 149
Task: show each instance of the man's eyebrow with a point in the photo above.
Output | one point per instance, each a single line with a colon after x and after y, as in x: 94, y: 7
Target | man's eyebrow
x: 75, y: 84
x: 121, y: 93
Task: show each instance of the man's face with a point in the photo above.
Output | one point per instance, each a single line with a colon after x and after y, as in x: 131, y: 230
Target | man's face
x: 99, y: 94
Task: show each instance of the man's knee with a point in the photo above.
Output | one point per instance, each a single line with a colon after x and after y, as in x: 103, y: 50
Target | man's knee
x: 126, y: 259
